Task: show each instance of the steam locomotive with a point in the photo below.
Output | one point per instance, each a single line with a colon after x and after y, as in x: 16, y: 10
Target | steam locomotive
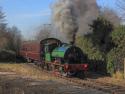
x: 53, y: 55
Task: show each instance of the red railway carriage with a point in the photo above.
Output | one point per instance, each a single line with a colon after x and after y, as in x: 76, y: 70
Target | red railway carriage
x: 30, y: 51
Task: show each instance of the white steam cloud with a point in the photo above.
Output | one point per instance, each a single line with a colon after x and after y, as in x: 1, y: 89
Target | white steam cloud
x: 72, y: 17
x: 65, y: 18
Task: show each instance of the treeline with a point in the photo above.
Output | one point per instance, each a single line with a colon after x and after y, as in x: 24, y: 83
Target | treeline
x: 104, y: 46
x: 10, y: 40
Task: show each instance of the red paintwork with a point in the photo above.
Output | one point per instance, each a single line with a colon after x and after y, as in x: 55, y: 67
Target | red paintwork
x: 30, y: 50
x: 75, y: 67
x: 71, y: 67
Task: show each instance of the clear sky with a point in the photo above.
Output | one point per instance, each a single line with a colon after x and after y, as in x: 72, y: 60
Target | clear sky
x: 29, y: 14
x: 107, y: 3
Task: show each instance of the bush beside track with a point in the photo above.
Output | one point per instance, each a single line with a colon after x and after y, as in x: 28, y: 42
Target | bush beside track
x: 7, y: 56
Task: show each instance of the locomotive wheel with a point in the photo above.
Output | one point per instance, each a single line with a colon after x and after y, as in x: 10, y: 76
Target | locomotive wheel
x: 32, y: 61
x: 50, y: 67
x: 42, y: 65
x: 28, y: 60
x: 47, y: 67
x: 35, y: 62
x: 53, y: 67
x: 62, y: 72
x: 81, y: 75
x: 65, y: 74
x: 72, y: 73
x: 68, y: 74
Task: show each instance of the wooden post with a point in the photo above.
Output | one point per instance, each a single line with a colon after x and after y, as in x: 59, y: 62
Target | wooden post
x: 124, y: 68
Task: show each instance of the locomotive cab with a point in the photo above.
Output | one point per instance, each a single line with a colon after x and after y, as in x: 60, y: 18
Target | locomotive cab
x: 48, y: 48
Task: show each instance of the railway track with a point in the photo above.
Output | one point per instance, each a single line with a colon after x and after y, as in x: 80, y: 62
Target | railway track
x: 91, y: 83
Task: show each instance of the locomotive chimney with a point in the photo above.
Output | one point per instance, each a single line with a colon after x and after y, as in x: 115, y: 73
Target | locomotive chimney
x: 72, y: 43
x: 74, y: 37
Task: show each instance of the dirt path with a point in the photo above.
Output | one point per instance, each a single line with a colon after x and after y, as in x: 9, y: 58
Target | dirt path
x: 11, y: 83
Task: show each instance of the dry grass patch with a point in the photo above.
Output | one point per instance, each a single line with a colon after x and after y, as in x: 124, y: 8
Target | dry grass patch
x: 25, y: 70
x: 119, y: 75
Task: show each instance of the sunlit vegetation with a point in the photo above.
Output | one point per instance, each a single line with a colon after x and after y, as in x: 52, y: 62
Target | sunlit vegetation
x: 105, y: 45
x: 25, y: 70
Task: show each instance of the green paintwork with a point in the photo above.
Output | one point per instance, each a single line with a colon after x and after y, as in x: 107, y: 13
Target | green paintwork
x: 47, y: 53
x: 48, y: 57
x: 60, y: 51
x: 57, y: 52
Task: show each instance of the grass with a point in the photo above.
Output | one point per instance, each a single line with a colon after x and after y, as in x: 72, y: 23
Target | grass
x: 35, y: 73
x: 25, y: 70
x: 118, y: 75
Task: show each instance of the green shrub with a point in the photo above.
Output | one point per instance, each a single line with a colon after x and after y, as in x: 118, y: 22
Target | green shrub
x: 117, y: 54
x: 7, y: 56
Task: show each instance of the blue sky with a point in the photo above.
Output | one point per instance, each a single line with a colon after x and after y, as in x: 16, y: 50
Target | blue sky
x: 27, y: 15
x: 107, y: 3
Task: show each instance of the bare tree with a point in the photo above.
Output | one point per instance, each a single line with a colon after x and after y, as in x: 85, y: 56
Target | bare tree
x: 10, y: 37
x: 44, y: 32
x: 2, y: 30
x: 121, y: 6
x: 2, y: 16
x: 14, y: 37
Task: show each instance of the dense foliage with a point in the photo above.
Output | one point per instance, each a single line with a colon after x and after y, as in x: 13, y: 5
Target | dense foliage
x: 101, y: 29
x: 105, y: 45
x: 95, y: 57
x: 88, y: 48
x: 117, y: 54
x: 7, y: 56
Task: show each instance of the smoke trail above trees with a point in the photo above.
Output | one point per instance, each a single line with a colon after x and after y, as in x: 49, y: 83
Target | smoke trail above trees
x: 65, y: 18
x: 88, y: 11
x: 73, y: 17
